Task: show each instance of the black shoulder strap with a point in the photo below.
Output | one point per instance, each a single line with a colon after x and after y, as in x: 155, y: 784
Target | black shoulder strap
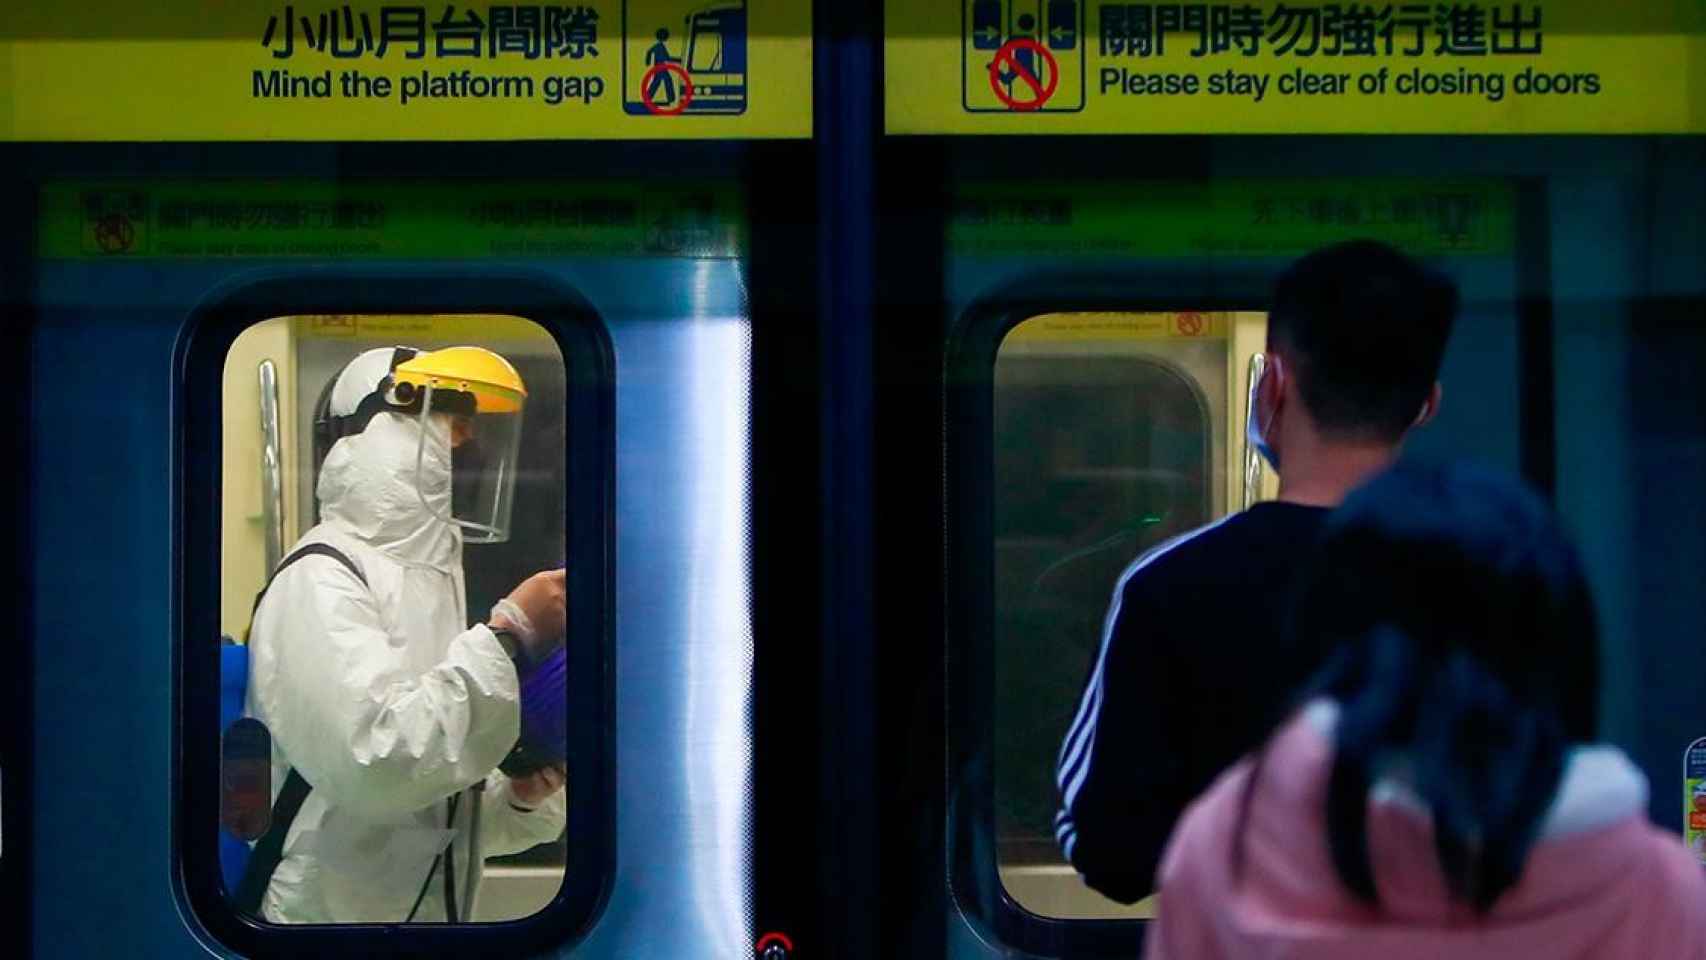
x: 269, y: 850
x: 308, y: 550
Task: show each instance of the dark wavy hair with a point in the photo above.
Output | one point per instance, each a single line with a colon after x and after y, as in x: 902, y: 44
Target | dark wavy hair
x: 1465, y: 647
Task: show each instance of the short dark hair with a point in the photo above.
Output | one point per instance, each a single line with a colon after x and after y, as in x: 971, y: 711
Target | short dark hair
x: 1366, y: 327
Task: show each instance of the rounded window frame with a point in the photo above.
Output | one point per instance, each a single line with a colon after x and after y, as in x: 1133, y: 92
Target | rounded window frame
x: 588, y: 358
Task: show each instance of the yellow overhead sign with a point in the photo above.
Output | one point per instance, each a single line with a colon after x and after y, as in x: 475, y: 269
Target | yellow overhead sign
x: 1077, y: 66
x: 377, y: 70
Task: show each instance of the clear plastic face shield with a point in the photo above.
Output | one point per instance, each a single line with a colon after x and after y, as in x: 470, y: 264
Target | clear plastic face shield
x: 470, y: 414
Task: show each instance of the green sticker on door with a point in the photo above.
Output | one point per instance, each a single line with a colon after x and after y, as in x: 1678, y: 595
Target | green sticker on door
x: 1694, y: 798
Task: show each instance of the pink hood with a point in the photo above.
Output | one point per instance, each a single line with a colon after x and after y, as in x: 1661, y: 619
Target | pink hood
x: 1601, y: 882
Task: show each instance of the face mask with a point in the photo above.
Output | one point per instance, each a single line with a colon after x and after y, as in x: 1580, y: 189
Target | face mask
x: 1253, y: 433
x: 467, y: 467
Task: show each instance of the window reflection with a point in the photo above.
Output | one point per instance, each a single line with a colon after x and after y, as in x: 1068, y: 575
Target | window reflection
x: 1110, y: 436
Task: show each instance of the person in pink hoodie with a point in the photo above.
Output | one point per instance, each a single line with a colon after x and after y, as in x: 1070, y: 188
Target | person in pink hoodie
x: 1437, y: 794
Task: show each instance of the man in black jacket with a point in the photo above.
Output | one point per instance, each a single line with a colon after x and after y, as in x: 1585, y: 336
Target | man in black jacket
x: 1193, y: 671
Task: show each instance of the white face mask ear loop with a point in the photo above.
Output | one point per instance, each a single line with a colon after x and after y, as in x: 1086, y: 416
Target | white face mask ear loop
x: 1250, y: 416
x: 1270, y: 368
x: 1256, y: 436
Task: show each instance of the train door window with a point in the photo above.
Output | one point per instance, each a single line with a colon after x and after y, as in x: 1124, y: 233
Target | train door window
x: 718, y: 41
x: 707, y: 52
x: 381, y: 743
x: 1110, y: 432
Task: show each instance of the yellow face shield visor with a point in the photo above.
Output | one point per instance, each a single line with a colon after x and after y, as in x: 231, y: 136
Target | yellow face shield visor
x: 473, y: 399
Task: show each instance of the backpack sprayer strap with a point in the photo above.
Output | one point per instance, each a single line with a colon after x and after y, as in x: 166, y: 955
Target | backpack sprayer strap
x: 269, y: 850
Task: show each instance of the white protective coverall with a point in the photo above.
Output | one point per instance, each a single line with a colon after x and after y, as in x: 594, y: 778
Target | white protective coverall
x: 381, y: 697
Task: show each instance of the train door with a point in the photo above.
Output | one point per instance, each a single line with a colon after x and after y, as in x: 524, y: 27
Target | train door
x: 1034, y: 272
x: 644, y: 280
x: 636, y: 460
x: 1101, y: 337
x: 1082, y: 426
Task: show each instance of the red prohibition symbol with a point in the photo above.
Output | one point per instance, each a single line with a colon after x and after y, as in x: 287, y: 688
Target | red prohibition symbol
x: 681, y: 102
x: 1007, y: 61
x: 114, y: 233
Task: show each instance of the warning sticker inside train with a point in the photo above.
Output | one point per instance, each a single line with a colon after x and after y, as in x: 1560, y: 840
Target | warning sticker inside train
x: 1694, y: 798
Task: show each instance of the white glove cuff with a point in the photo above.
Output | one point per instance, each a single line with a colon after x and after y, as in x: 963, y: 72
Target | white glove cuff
x: 509, y: 610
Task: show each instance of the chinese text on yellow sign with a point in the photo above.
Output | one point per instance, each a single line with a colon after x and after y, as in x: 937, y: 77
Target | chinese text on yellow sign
x: 1071, y: 66
x: 375, y: 70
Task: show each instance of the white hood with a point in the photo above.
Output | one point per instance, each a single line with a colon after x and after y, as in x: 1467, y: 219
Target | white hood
x: 367, y: 490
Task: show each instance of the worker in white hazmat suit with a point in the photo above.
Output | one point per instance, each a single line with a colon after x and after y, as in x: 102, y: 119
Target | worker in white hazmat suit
x: 390, y: 712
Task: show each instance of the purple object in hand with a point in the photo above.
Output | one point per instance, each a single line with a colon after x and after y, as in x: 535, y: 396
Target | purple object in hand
x: 544, y: 708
